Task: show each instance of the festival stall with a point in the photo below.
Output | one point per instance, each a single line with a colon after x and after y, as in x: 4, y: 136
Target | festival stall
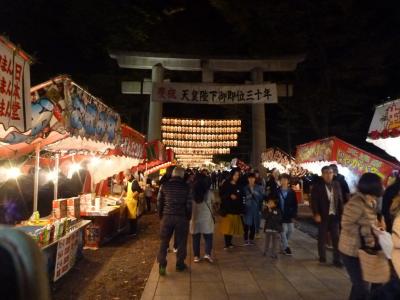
x: 18, y: 137
x: 95, y: 142
x: 109, y: 218
x: 275, y: 158
x: 384, y: 131
x: 352, y: 161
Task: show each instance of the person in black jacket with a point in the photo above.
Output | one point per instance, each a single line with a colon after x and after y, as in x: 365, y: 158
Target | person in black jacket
x: 272, y: 184
x: 175, y: 210
x: 288, y: 206
x: 232, y: 207
x: 272, y: 227
x: 327, y: 207
x: 343, y: 183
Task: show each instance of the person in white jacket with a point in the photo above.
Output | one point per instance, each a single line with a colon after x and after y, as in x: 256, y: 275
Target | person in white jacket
x: 202, y: 222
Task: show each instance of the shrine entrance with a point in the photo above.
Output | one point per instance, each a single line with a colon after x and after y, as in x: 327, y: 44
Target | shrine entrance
x: 255, y: 92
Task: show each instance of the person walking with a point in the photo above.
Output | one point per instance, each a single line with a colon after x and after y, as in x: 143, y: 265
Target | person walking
x: 231, y: 208
x: 359, y: 216
x: 327, y: 207
x: 288, y: 206
x: 148, y: 194
x: 259, y: 179
x: 342, y: 181
x: 272, y: 227
x: 253, y: 197
x: 272, y: 184
x: 214, y: 180
x: 202, y: 222
x: 175, y: 210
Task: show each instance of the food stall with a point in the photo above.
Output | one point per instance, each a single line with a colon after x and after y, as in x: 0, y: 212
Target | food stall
x: 275, y: 158
x: 58, y: 236
x: 384, y: 131
x: 351, y: 161
x: 94, y: 141
x: 110, y: 217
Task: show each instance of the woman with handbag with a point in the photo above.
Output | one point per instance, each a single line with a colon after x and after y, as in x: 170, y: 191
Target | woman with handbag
x: 391, y: 290
x: 359, y: 217
x: 231, y: 209
x: 202, y: 222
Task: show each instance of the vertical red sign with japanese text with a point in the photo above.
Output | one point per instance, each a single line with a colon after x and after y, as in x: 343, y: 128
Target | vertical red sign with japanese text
x: 14, y: 88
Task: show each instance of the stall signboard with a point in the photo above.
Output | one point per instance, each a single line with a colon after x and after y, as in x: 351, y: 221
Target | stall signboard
x: 132, y: 142
x: 66, y: 254
x: 384, y: 131
x: 386, y: 121
x: 336, y: 150
x: 60, y: 105
x: 14, y: 88
x: 213, y: 93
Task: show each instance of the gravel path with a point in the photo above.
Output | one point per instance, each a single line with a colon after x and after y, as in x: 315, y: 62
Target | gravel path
x: 118, y: 270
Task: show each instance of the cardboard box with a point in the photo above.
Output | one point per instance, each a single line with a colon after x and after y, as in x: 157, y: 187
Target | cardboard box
x: 60, y: 208
x: 74, y: 207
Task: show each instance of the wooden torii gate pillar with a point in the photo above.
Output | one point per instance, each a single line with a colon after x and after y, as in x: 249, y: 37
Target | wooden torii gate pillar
x: 158, y: 62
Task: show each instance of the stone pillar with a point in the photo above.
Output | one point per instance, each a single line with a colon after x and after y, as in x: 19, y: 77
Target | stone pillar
x: 156, y: 108
x: 258, y: 125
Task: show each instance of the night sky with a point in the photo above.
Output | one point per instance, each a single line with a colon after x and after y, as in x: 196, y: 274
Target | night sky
x: 351, y: 48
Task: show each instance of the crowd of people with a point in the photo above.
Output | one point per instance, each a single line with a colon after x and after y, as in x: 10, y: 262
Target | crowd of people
x: 249, y: 204
x: 356, y: 225
x: 349, y: 222
x: 187, y: 204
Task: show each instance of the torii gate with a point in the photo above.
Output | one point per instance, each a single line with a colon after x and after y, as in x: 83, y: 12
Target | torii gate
x: 158, y: 62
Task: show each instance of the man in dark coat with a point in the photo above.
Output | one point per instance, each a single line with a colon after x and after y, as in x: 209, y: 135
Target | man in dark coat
x: 327, y: 206
x: 343, y: 183
x: 175, y: 210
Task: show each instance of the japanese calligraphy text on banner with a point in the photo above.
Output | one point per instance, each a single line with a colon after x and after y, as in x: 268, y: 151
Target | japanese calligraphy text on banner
x: 212, y: 93
x: 14, y: 87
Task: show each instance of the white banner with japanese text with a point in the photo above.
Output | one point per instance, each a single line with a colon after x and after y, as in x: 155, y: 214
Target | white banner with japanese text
x: 15, y: 105
x: 214, y: 93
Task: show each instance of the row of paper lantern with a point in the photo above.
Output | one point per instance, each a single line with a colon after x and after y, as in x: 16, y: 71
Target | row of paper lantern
x: 197, y: 122
x: 195, y: 151
x: 191, y: 156
x: 202, y: 144
x: 188, y: 129
x: 199, y: 137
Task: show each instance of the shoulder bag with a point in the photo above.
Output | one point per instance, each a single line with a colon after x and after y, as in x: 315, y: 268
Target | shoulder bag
x: 374, y: 264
